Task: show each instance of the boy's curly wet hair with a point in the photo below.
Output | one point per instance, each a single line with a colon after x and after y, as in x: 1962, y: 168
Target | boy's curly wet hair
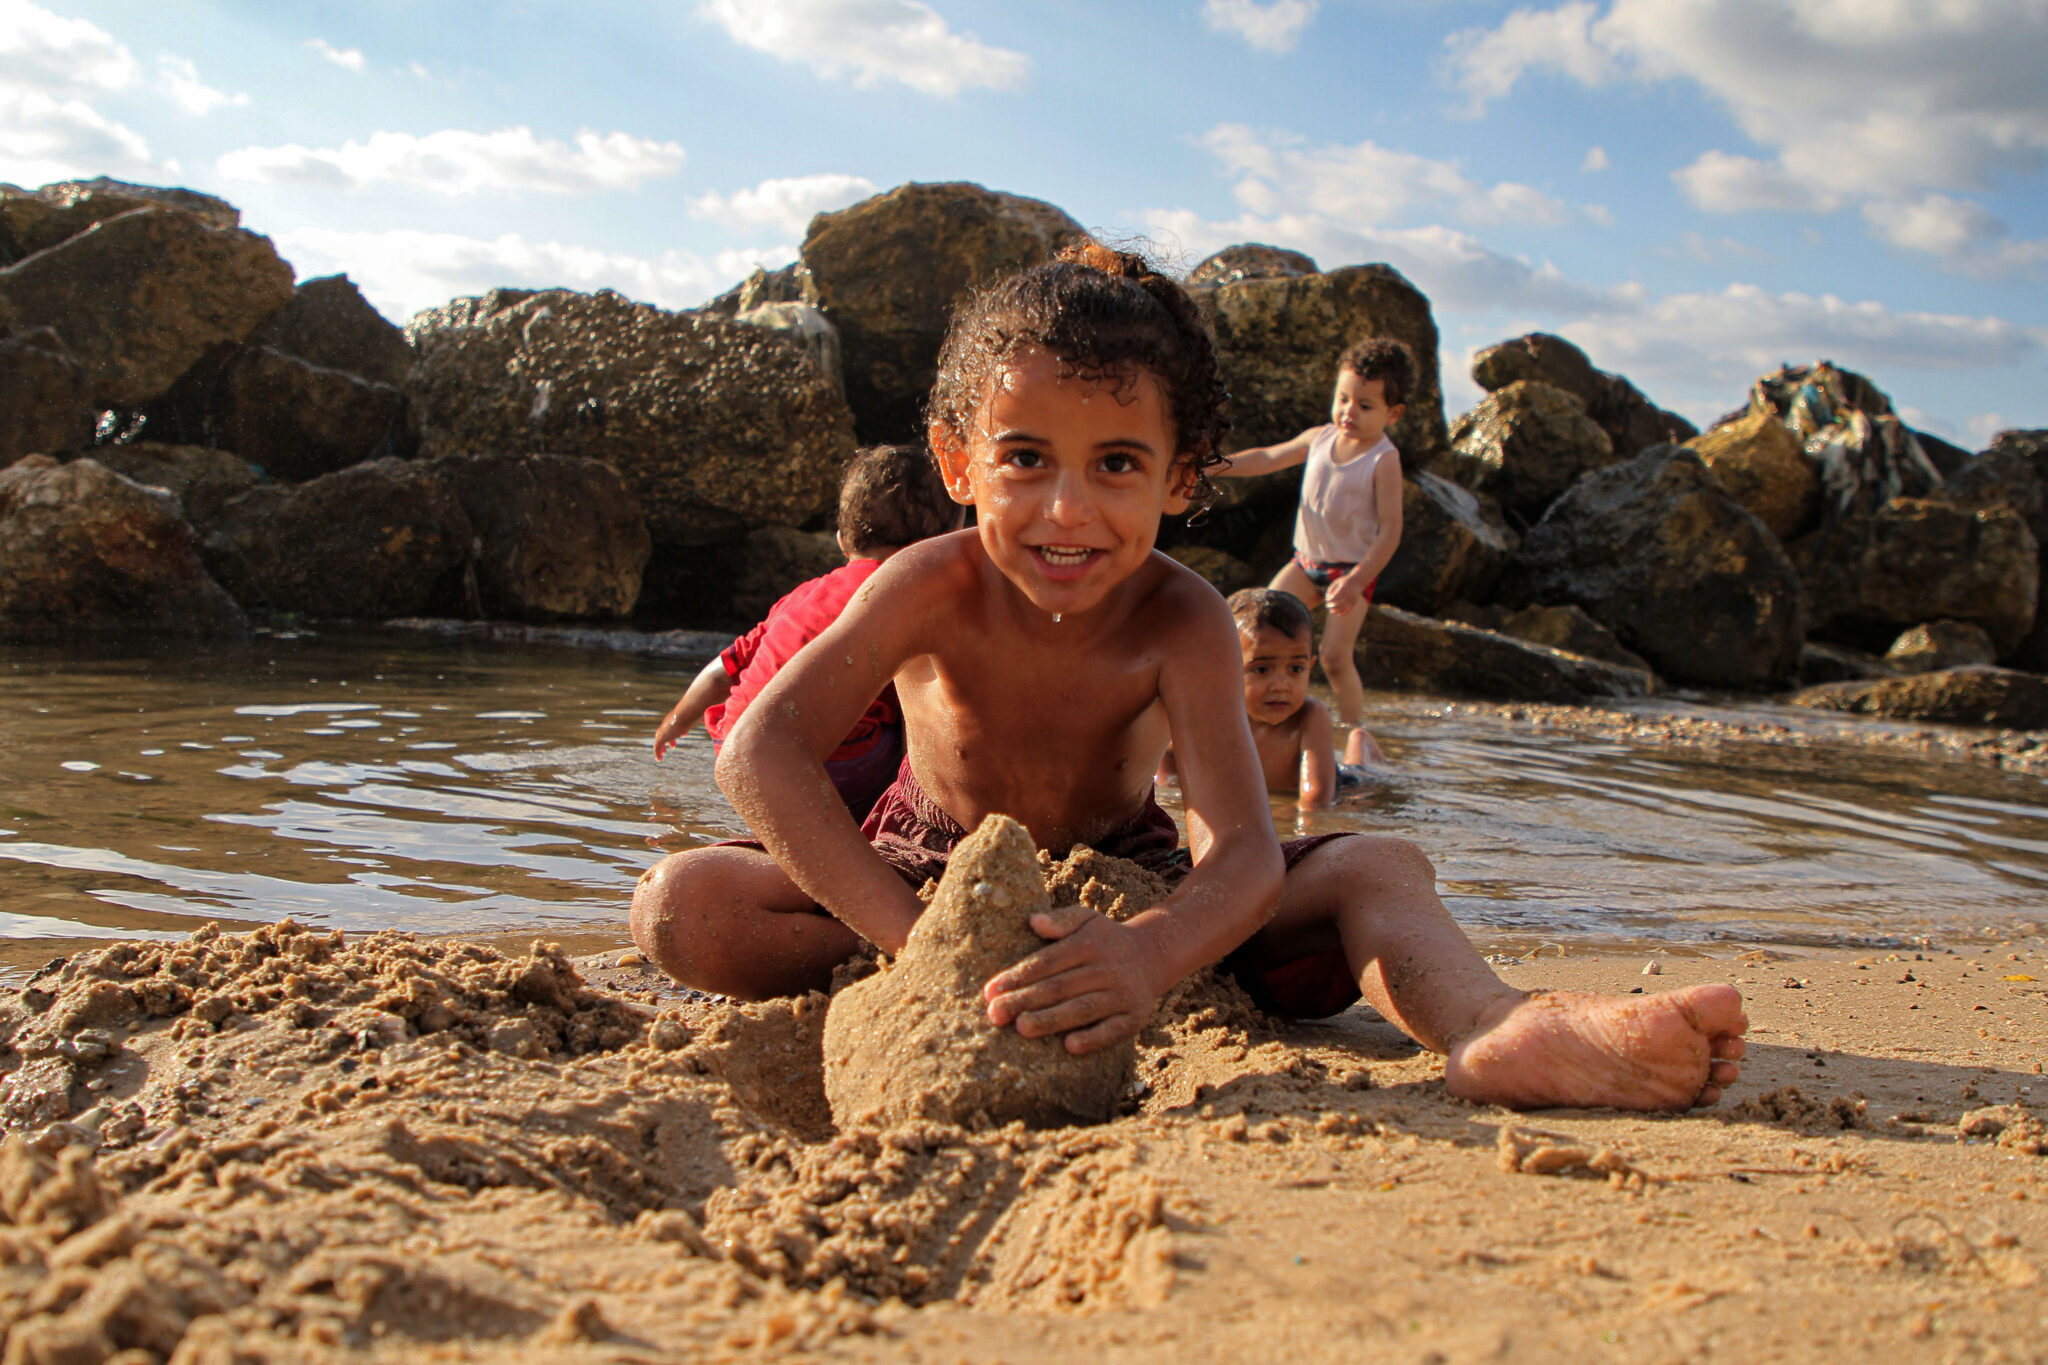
x: 1257, y: 609
x: 892, y: 496
x: 1384, y: 359
x: 1106, y: 314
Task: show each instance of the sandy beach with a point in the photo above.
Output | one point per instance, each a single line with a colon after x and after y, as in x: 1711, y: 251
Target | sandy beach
x: 383, y: 1147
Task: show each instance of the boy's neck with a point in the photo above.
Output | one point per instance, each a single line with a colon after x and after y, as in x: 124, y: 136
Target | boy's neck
x: 880, y: 554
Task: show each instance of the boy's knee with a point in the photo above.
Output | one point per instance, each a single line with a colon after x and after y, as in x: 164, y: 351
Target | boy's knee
x: 1389, y: 857
x: 1335, y: 657
x: 658, y: 901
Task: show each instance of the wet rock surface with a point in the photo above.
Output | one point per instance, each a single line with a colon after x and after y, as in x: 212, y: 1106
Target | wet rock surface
x: 1404, y: 652
x: 715, y: 427
x: 86, y: 552
x: 380, y: 539
x: 888, y: 270
x: 2003, y: 697
x: 1941, y: 644
x: 202, y: 480
x: 293, y: 419
x: 1251, y: 261
x: 1684, y: 575
x: 140, y: 297
x: 1278, y: 339
x: 555, y: 538
x: 914, y: 1042
x: 1565, y: 628
x: 1525, y: 444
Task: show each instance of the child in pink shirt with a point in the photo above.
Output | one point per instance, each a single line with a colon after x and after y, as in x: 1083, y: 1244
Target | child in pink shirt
x: 891, y: 497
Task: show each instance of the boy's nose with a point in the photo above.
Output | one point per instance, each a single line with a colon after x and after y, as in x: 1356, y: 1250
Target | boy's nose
x: 1071, y: 505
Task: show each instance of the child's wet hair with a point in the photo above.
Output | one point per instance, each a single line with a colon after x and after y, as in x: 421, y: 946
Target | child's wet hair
x: 1106, y: 315
x: 1384, y: 359
x: 892, y: 496
x: 1257, y: 609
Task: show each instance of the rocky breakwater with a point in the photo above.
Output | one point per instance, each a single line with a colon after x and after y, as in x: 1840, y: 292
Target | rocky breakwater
x: 914, y: 1042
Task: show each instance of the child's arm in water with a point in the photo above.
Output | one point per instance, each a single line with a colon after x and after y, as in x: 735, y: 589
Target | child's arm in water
x: 1386, y: 486
x: 710, y: 687
x: 1266, y: 459
x: 772, y: 765
x: 1099, y: 980
x: 1318, y: 756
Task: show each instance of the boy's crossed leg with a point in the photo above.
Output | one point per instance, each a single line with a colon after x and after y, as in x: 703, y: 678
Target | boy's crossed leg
x: 729, y: 920
x: 1375, y: 898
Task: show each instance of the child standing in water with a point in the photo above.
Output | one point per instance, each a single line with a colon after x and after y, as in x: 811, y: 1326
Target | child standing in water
x: 890, y: 497
x: 1349, y: 522
x: 1042, y: 659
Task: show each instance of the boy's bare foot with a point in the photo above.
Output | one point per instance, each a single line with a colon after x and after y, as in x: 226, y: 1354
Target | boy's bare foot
x: 1669, y: 1051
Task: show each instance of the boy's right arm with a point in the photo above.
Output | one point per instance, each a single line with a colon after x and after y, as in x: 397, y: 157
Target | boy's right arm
x: 711, y: 686
x: 1318, y: 756
x: 772, y: 767
x: 1266, y: 459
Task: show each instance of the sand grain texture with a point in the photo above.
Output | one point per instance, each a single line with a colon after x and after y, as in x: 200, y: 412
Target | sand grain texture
x: 914, y: 1042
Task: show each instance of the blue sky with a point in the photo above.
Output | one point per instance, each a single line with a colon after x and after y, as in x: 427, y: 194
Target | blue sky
x: 1693, y: 190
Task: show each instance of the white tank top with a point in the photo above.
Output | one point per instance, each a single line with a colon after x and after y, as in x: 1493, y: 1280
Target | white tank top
x: 1339, y: 517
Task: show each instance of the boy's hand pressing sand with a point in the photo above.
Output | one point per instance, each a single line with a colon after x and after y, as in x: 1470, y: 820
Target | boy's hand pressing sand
x: 1096, y: 982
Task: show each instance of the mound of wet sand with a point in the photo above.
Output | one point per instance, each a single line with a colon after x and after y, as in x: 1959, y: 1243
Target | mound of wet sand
x: 293, y: 1146
x: 914, y: 1041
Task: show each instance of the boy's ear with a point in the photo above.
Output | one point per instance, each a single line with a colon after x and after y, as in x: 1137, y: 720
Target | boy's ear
x: 951, y: 453
x: 1395, y: 412
x: 1182, y: 482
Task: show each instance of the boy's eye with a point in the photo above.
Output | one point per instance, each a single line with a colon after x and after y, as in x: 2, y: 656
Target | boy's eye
x: 1118, y: 464
x: 1025, y: 459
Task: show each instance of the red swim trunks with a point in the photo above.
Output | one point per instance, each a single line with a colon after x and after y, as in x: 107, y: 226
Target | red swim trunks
x: 915, y: 835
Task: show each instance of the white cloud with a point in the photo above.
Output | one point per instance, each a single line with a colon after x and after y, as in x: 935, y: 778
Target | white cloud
x: 403, y: 271
x: 180, y: 80
x: 1962, y: 233
x: 785, y: 206
x: 1596, y: 160
x: 1707, y: 250
x: 43, y: 138
x: 349, y: 58
x: 46, y: 53
x: 1274, y: 26
x: 1363, y: 183
x: 871, y: 43
x: 1853, y: 99
x: 453, y: 162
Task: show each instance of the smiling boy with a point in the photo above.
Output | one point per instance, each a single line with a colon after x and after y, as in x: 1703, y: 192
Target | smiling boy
x: 1042, y: 659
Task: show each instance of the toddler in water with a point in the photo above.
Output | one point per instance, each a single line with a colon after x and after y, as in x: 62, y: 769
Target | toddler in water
x: 890, y: 497
x: 1349, y: 522
x: 1042, y: 660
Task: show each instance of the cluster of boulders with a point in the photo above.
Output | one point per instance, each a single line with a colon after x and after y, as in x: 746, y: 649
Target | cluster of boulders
x: 187, y: 438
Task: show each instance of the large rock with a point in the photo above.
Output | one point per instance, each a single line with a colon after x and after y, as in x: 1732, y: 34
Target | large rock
x: 556, y: 538
x: 1655, y: 550
x: 715, y: 427
x: 809, y: 328
x: 141, y: 297
x: 1921, y: 559
x: 1278, y: 340
x: 1403, y: 652
x: 1451, y: 550
x: 2003, y: 697
x: 84, y: 551
x: 1763, y: 465
x: 45, y: 396
x: 35, y: 220
x: 1864, y: 454
x: 786, y: 285
x: 888, y: 270
x: 203, y: 481
x: 1632, y: 422
x: 1525, y: 444
x: 377, y: 540
x: 2003, y: 476
x: 1252, y: 261
x: 914, y: 1042
x: 1220, y: 570
x: 290, y: 417
x: 330, y: 324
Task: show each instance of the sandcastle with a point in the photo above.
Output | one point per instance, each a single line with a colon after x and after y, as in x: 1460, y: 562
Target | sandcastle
x: 915, y: 1041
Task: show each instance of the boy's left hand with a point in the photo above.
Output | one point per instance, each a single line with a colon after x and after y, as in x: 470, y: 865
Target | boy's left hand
x: 1092, y: 983
x: 1345, y: 592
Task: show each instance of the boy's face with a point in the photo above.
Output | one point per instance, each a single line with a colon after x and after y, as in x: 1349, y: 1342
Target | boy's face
x: 1068, y: 478
x: 1275, y: 673
x: 1359, y: 407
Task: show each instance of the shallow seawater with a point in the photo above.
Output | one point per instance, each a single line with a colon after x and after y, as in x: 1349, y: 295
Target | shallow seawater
x: 383, y: 780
